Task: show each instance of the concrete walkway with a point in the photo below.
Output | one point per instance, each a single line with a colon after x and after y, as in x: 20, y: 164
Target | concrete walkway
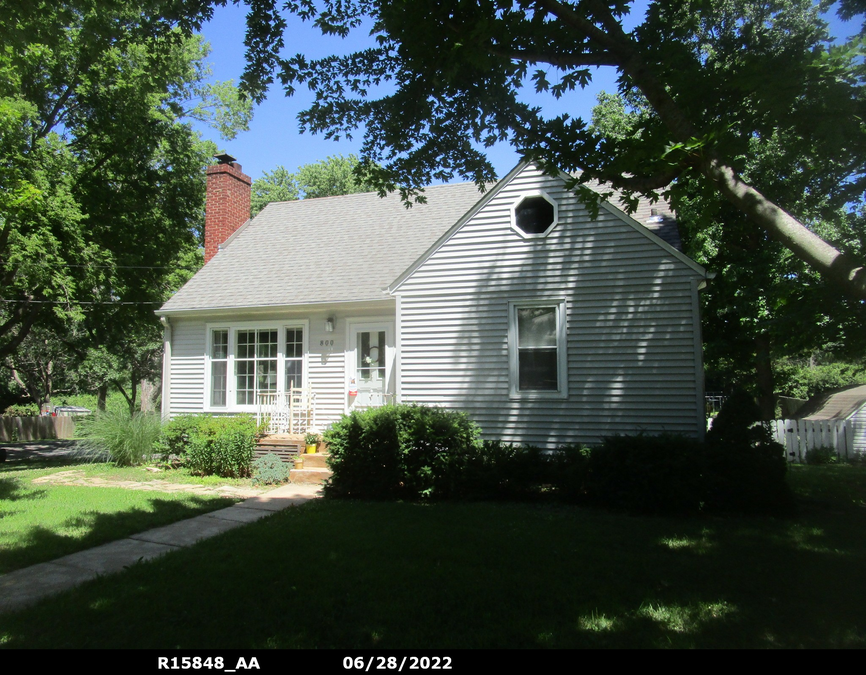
x: 26, y: 586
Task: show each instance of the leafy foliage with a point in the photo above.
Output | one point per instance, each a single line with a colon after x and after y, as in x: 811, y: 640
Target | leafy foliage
x: 18, y: 410
x: 211, y: 445
x: 802, y: 379
x: 714, y: 80
x: 822, y: 455
x: 101, y: 180
x: 417, y: 453
x: 331, y: 177
x: 400, y: 452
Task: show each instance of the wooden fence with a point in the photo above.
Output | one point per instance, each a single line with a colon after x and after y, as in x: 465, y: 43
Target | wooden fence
x: 800, y: 436
x: 35, y: 428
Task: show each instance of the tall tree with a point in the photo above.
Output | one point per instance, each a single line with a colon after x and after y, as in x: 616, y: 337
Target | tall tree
x: 329, y: 177
x: 101, y: 187
x: 716, y: 75
x: 764, y: 303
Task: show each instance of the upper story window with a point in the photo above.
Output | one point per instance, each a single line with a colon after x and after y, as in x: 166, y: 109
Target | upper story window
x: 534, y: 215
x: 537, y: 349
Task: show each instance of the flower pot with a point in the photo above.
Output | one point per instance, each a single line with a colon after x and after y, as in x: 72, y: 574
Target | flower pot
x: 299, y: 462
x: 311, y: 449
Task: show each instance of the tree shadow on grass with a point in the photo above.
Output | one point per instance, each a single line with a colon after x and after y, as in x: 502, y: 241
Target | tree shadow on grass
x: 90, y: 529
x: 359, y: 575
x: 11, y: 490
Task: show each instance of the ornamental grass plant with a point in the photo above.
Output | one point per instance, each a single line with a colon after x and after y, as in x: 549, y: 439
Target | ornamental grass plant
x: 128, y: 439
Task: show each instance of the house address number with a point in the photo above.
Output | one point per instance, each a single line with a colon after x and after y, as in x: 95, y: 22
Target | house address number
x: 326, y: 343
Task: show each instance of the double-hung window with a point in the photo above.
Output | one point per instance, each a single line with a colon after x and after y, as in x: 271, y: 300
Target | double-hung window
x: 294, y: 358
x: 219, y: 361
x: 537, y: 349
x: 246, y: 361
x: 255, y: 364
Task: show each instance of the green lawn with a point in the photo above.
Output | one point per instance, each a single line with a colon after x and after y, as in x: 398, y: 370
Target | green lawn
x: 382, y: 575
x: 42, y: 522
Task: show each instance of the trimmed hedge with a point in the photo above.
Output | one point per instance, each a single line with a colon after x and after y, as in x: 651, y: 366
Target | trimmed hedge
x: 417, y: 453
x: 400, y: 452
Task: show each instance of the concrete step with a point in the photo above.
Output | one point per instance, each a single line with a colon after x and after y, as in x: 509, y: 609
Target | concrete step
x: 309, y: 476
x: 315, y: 461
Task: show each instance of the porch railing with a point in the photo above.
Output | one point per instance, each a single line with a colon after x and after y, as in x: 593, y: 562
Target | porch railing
x: 291, y: 412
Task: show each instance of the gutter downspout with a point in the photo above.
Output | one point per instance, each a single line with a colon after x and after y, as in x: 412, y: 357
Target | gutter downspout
x: 165, y: 406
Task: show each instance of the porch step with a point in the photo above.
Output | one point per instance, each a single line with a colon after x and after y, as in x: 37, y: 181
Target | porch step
x: 285, y: 446
x: 289, y: 446
x: 316, y: 461
x: 315, y: 470
x: 309, y: 476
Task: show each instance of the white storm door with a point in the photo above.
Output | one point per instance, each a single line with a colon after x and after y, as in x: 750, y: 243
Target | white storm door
x: 370, y: 364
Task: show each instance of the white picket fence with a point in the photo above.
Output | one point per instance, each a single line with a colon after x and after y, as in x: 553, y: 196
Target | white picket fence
x: 799, y: 436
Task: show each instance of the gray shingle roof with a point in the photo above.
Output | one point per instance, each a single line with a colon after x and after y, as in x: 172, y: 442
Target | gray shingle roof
x: 332, y: 249
x: 837, y: 405
x: 662, y: 223
x: 338, y: 249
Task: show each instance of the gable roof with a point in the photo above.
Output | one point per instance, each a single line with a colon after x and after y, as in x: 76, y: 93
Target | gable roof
x: 350, y: 248
x: 837, y: 405
x: 663, y: 230
x: 331, y: 249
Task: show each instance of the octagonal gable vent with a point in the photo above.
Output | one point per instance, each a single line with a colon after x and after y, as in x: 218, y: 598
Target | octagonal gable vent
x: 534, y: 215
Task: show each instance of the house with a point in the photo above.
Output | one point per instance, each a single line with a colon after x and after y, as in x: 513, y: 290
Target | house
x: 545, y: 325
x: 848, y: 404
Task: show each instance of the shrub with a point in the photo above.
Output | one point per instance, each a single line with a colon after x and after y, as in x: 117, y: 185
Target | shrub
x: 175, y: 436
x: 400, y: 452
x: 270, y: 470
x: 822, y: 455
x: 745, y: 467
x: 22, y: 410
x: 210, y: 445
x: 234, y: 444
x: 221, y: 445
x: 647, y: 474
x: 498, y: 470
x: 129, y: 439
x: 200, y: 454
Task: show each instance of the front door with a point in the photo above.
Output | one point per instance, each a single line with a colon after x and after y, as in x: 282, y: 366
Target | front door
x: 370, y: 364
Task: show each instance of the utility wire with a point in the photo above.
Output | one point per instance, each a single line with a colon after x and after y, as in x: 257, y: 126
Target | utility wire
x: 64, y: 302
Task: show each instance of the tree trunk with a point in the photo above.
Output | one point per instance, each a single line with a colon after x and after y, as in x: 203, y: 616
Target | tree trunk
x: 147, y: 391
x: 101, y: 395
x: 766, y: 383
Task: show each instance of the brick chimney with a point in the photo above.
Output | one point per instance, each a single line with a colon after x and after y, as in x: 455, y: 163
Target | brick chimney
x: 227, y: 206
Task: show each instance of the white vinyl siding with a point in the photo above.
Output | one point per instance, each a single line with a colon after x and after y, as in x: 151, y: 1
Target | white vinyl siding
x: 632, y: 365
x: 187, y: 366
x: 325, y: 359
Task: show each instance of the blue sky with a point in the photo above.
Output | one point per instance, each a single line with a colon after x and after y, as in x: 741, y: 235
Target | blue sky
x: 274, y: 138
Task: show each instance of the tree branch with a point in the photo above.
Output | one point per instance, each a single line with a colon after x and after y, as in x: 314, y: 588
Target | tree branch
x: 583, y: 25
x: 639, y: 183
x: 559, y: 60
x: 787, y: 230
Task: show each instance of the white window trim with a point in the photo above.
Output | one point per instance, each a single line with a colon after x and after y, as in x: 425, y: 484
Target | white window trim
x: 561, y: 349
x: 526, y: 195
x: 231, y: 385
